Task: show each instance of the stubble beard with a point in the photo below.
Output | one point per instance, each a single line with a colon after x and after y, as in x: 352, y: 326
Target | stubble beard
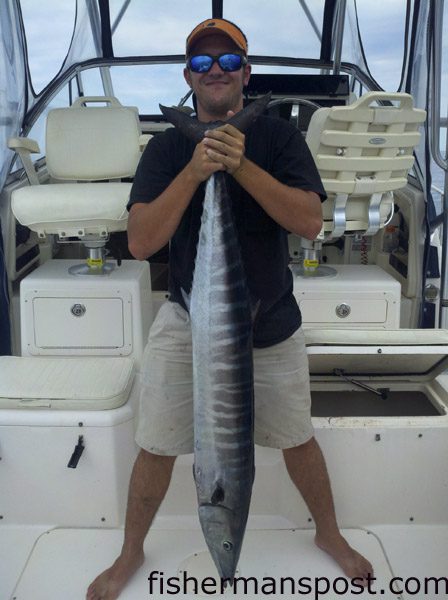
x: 219, y: 107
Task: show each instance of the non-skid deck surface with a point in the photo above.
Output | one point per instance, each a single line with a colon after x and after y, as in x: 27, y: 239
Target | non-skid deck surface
x: 64, y: 561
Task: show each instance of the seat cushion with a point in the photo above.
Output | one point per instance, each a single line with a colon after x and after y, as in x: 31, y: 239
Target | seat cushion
x: 69, y: 207
x: 93, y: 383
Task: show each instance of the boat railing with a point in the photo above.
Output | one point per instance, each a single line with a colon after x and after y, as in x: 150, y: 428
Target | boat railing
x: 437, y: 122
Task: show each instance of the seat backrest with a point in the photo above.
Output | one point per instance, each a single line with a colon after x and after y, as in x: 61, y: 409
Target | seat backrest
x: 87, y: 143
x: 364, y: 152
x: 364, y: 149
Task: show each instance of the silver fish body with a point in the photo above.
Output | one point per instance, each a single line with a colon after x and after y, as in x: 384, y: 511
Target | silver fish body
x: 221, y: 322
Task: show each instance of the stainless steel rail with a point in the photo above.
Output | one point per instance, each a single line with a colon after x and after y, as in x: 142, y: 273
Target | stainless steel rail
x: 339, y: 36
x: 436, y: 122
x: 443, y: 312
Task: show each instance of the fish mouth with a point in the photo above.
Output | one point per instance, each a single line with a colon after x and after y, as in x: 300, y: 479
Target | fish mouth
x: 218, y: 521
x: 226, y: 564
x: 223, y: 531
x: 217, y: 505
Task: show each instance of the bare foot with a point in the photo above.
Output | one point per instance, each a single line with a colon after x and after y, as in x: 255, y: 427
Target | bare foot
x: 110, y: 583
x: 351, y: 562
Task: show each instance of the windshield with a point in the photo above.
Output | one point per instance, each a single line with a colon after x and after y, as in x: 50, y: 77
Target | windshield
x: 272, y: 28
x: 62, y: 35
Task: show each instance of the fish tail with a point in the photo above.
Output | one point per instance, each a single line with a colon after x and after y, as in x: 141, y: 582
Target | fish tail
x: 195, y: 130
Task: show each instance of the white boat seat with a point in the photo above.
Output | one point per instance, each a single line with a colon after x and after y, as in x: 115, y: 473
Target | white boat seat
x: 84, y: 144
x: 363, y: 152
x: 61, y: 209
x: 93, y: 383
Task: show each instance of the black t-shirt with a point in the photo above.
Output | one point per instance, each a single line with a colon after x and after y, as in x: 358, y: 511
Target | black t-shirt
x: 278, y: 148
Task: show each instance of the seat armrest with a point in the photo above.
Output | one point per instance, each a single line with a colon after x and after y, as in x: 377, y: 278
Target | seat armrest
x: 143, y: 140
x: 24, y: 143
x: 24, y: 148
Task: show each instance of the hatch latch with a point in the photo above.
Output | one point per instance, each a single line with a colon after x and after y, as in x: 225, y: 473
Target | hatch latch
x: 77, y: 452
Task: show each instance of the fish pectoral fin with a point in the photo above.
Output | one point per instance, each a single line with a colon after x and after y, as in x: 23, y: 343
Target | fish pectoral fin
x: 218, y: 494
x: 186, y: 298
x: 255, y: 311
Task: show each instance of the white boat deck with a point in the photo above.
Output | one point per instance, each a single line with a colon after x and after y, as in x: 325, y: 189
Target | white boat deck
x: 55, y: 564
x: 391, y: 503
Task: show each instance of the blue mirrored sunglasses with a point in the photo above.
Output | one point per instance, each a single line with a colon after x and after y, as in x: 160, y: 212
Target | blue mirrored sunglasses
x: 202, y: 63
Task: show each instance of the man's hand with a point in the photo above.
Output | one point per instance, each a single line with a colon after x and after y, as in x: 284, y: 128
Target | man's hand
x: 201, y: 166
x: 225, y: 146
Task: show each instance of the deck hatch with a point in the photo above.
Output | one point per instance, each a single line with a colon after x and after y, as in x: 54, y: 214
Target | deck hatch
x: 405, y: 354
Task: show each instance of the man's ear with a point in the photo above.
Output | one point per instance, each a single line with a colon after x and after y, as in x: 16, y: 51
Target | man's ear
x: 247, y: 72
x: 187, y: 76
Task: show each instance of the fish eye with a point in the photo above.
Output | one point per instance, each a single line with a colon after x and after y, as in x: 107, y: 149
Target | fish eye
x: 227, y: 545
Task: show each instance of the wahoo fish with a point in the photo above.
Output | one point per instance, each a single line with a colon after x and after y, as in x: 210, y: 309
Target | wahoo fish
x: 221, y: 322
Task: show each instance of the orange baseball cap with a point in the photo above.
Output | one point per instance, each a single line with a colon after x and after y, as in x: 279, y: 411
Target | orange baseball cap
x: 210, y: 26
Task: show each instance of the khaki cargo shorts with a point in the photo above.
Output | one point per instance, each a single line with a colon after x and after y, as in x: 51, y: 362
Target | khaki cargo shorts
x: 281, y: 382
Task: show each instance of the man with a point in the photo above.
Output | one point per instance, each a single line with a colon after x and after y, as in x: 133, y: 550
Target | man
x: 275, y: 187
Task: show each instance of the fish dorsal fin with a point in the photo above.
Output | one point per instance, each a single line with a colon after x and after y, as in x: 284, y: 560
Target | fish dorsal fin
x: 218, y: 494
x: 195, y: 130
